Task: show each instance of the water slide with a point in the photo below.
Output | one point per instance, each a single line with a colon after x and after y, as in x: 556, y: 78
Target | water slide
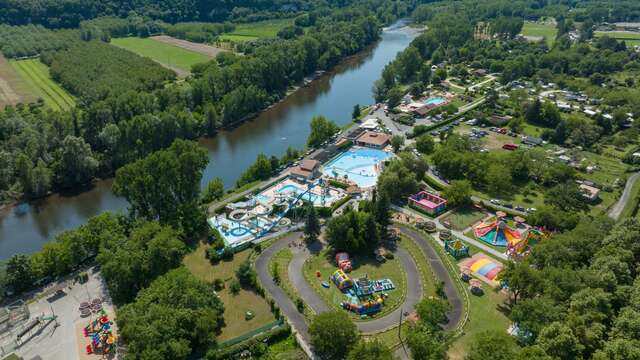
x: 285, y: 211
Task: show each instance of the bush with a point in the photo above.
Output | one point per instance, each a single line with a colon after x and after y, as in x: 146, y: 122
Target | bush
x: 218, y: 284
x: 338, y: 184
x: 213, y: 256
x: 227, y: 254
x: 300, y: 305
x: 235, y: 287
x: 388, y: 256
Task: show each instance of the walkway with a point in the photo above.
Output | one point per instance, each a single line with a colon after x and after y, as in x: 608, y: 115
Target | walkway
x: 616, y: 210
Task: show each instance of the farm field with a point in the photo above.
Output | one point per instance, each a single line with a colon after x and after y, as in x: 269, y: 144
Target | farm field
x: 235, y: 306
x: 170, y: 56
x: 546, y: 30
x: 37, y: 77
x: 13, y: 89
x: 256, y: 30
x: 630, y: 38
x: 204, y: 49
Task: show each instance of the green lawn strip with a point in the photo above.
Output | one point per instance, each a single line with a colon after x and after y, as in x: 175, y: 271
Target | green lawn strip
x: 282, y: 259
x: 27, y: 74
x: 420, y: 258
x: 461, y: 219
x: 389, y: 337
x: 41, y: 71
x: 38, y: 75
x: 391, y: 269
x: 548, y: 31
x: 287, y: 349
x: 261, y: 29
x: 161, y: 52
x: 236, y: 306
x: 237, y: 38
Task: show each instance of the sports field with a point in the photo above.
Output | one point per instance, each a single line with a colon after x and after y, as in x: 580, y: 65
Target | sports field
x: 13, y: 89
x: 630, y: 38
x: 545, y: 30
x: 256, y: 30
x: 36, y: 76
x: 170, y: 56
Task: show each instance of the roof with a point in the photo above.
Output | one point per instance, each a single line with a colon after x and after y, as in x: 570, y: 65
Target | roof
x: 533, y: 140
x: 370, y: 123
x: 309, y: 164
x: 589, y: 191
x: 374, y: 138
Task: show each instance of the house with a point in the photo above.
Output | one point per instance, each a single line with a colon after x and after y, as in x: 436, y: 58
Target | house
x: 369, y: 124
x: 373, y: 139
x: 532, y: 141
x: 589, y: 112
x: 589, y: 192
x: 307, y: 170
x: 480, y: 72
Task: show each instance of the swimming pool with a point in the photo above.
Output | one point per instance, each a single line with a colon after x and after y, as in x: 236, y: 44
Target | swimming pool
x: 435, y: 100
x: 231, y: 231
x: 309, y: 196
x: 358, y: 164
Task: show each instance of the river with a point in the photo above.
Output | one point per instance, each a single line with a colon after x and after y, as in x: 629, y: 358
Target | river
x: 25, y: 228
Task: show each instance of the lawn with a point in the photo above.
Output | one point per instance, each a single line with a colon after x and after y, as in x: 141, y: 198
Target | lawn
x: 281, y: 260
x: 630, y: 38
x: 462, y: 218
x: 547, y: 30
x: 631, y: 207
x: 256, y: 30
x: 484, y: 315
x: 13, y: 88
x: 235, y: 306
x: 165, y: 54
x: 37, y: 77
x: 325, y: 264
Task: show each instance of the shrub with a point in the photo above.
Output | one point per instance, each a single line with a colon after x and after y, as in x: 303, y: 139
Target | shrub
x: 227, y: 254
x: 218, y: 284
x: 300, y: 305
x: 213, y: 256
x: 388, y: 256
x: 235, y: 287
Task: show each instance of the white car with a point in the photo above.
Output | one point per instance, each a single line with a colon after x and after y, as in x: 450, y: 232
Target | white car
x: 495, y: 202
x: 531, y: 210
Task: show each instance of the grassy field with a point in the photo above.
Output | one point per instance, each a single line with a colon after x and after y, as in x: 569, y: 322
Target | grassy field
x: 325, y: 264
x: 256, y: 30
x: 461, y: 219
x: 484, y: 315
x: 13, y: 88
x: 235, y: 306
x: 36, y: 75
x: 281, y: 260
x: 546, y: 30
x: 629, y: 38
x: 165, y: 54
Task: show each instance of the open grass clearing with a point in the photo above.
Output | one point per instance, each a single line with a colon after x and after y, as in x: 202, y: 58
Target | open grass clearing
x: 13, y: 88
x: 235, y: 306
x: 462, y: 218
x: 204, y: 49
x: 256, y: 30
x: 281, y: 261
x: 629, y: 37
x: 37, y: 77
x: 484, y: 315
x: 362, y: 265
x: 545, y: 30
x: 165, y: 54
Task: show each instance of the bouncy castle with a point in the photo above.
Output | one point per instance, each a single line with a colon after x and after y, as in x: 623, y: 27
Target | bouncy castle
x: 342, y: 280
x: 497, y: 233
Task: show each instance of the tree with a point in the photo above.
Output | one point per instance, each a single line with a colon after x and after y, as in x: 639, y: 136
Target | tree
x: 425, y: 144
x: 370, y: 350
x: 184, y: 307
x: 165, y: 185
x: 533, y: 112
x: 495, y: 344
x: 382, y: 212
x: 214, y: 191
x: 433, y: 313
x: 77, y: 163
x: 394, y: 96
x: 354, y: 231
x: 246, y: 275
x: 426, y: 345
x: 356, y: 111
x: 566, y: 196
x: 522, y: 280
x: 397, y: 141
x: 19, y: 274
x: 532, y: 315
x: 311, y: 225
x: 458, y: 193
x: 333, y: 335
x: 321, y: 130
x: 558, y: 341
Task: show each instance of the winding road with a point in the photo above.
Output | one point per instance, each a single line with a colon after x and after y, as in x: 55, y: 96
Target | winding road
x: 616, y: 210
x: 311, y: 298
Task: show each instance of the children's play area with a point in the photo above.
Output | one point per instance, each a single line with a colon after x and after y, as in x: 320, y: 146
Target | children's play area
x: 427, y: 202
x: 363, y: 289
x: 101, y: 336
x: 510, y: 233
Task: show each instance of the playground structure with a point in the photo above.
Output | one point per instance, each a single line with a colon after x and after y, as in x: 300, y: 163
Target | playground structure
x: 265, y: 212
x: 428, y: 203
x: 342, y: 280
x: 483, y: 267
x: 100, y: 331
x: 498, y: 233
x: 343, y: 262
x: 364, y: 296
x: 456, y: 248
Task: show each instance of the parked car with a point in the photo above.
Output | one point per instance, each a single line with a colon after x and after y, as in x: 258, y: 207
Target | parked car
x: 519, y: 208
x: 495, y: 202
x: 508, y: 206
x: 531, y: 210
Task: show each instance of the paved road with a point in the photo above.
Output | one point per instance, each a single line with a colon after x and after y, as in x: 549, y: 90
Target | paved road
x: 616, y: 210
x: 441, y: 274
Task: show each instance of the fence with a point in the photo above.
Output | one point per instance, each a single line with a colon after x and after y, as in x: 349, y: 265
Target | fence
x: 251, y: 333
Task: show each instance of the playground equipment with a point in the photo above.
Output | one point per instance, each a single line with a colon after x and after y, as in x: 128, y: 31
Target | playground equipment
x: 365, y: 308
x: 102, y: 338
x: 342, y: 280
x: 484, y: 266
x: 343, y: 262
x: 475, y: 286
x: 427, y: 202
x: 497, y: 233
x: 456, y: 248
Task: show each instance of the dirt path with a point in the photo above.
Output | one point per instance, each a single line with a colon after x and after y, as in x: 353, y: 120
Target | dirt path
x: 208, y: 50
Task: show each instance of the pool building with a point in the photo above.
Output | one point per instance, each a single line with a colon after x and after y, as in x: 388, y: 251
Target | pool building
x: 430, y: 203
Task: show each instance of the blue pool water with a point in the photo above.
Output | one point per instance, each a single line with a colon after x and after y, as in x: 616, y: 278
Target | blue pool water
x: 235, y: 232
x: 359, y: 165
x: 435, y: 100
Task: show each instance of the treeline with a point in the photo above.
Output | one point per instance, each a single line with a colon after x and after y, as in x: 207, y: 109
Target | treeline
x: 94, y: 70
x: 31, y: 40
x: 577, y: 296
x: 104, y: 28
